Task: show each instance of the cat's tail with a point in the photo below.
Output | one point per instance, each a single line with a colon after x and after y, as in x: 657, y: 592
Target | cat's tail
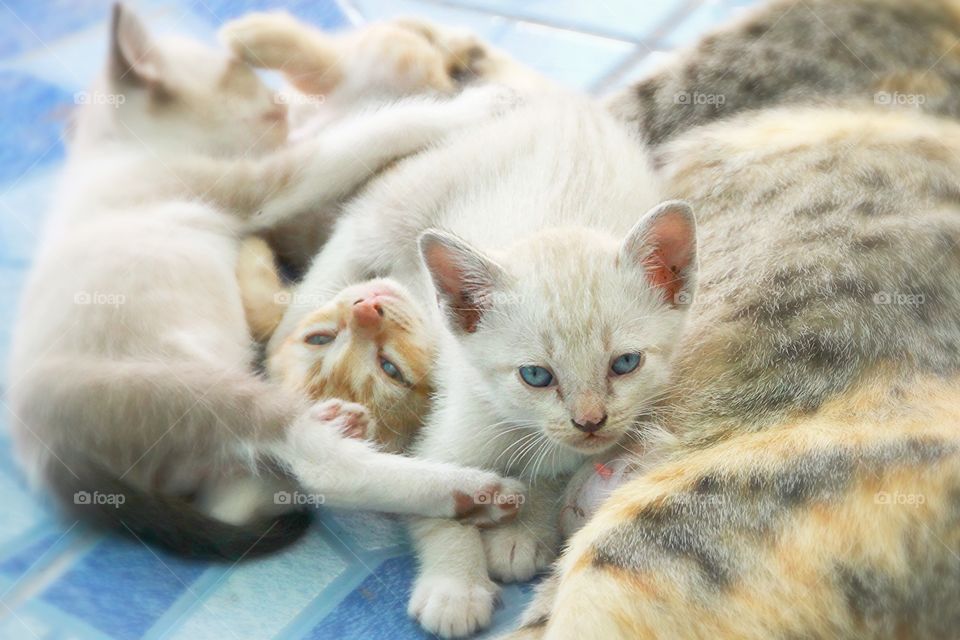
x: 137, y: 446
x: 96, y: 496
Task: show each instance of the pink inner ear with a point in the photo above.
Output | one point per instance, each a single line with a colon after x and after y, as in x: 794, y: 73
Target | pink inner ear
x: 672, y: 254
x: 449, y: 277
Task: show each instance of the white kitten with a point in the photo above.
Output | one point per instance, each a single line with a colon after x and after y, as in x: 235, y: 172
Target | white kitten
x: 131, y: 378
x: 563, y: 303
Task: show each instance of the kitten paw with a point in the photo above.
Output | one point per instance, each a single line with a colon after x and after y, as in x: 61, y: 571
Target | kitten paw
x: 262, y: 39
x: 495, y: 502
x: 351, y: 419
x: 453, y: 607
x: 515, y: 554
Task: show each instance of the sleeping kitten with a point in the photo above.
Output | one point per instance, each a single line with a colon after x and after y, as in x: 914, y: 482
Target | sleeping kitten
x: 337, y: 74
x: 369, y: 345
x: 131, y: 365
x: 561, y: 302
x: 812, y: 490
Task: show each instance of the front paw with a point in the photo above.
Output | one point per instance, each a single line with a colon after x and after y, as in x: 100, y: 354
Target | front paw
x: 515, y: 554
x: 495, y: 501
x: 349, y: 418
x: 261, y: 39
x: 453, y: 607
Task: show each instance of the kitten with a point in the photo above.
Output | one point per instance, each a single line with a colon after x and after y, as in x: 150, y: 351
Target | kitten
x: 131, y: 372
x: 812, y: 488
x: 369, y: 345
x: 562, y: 303
x: 335, y: 75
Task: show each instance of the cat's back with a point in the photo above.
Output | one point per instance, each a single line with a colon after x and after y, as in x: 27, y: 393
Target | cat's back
x: 828, y: 248
x: 554, y: 160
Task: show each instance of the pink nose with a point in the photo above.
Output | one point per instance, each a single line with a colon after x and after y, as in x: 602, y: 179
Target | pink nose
x: 367, y: 312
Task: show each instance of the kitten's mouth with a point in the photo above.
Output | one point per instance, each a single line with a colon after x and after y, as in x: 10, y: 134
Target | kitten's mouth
x: 592, y: 442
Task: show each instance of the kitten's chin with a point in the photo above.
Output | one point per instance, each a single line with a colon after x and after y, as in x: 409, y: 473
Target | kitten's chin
x: 591, y: 444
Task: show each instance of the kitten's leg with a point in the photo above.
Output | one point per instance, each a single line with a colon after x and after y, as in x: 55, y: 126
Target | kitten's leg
x: 351, y: 473
x: 316, y: 173
x: 453, y: 595
x: 263, y: 293
x: 517, y: 551
x: 308, y: 57
x: 340, y: 160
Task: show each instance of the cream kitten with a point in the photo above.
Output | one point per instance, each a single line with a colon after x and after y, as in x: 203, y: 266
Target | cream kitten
x: 562, y: 304
x: 131, y: 381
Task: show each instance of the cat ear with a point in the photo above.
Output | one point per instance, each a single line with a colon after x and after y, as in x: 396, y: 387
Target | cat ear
x: 134, y: 60
x: 463, y: 277
x: 664, y: 244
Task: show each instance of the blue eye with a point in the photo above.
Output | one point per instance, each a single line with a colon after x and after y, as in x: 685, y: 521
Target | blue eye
x: 536, y: 376
x: 626, y: 363
x: 319, y: 339
x: 391, y: 369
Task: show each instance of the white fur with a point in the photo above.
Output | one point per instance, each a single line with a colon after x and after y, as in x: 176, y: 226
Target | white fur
x: 548, y: 194
x: 131, y: 348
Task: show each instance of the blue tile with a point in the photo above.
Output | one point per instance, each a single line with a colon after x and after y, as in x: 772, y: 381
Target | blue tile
x: 574, y: 59
x: 363, y: 531
x: 34, y: 113
x: 323, y: 13
x: 28, y: 24
x: 121, y: 588
x: 624, y: 19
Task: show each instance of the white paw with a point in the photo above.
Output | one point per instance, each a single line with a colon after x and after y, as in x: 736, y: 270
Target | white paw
x: 453, y: 607
x: 493, y: 501
x: 311, y: 435
x: 349, y: 418
x: 261, y: 39
x: 515, y: 554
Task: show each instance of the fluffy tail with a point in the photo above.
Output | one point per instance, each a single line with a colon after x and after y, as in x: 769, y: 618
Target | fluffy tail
x: 94, y: 495
x: 168, y: 424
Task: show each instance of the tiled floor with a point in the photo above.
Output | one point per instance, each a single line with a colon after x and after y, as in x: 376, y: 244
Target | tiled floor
x: 350, y: 577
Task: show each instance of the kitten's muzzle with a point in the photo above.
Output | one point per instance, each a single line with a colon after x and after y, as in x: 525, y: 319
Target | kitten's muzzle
x: 590, y: 426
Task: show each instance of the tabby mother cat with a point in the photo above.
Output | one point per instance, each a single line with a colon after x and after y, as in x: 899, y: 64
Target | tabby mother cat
x: 814, y: 489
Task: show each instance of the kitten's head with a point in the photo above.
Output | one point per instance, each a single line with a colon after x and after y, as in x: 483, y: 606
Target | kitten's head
x: 369, y: 345
x: 570, y: 331
x: 179, y: 93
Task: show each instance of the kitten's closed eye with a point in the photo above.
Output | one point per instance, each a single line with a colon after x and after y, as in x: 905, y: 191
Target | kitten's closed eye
x: 319, y: 338
x: 392, y: 370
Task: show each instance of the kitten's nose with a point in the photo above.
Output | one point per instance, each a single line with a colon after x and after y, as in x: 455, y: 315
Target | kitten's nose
x: 367, y: 312
x: 591, y: 425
